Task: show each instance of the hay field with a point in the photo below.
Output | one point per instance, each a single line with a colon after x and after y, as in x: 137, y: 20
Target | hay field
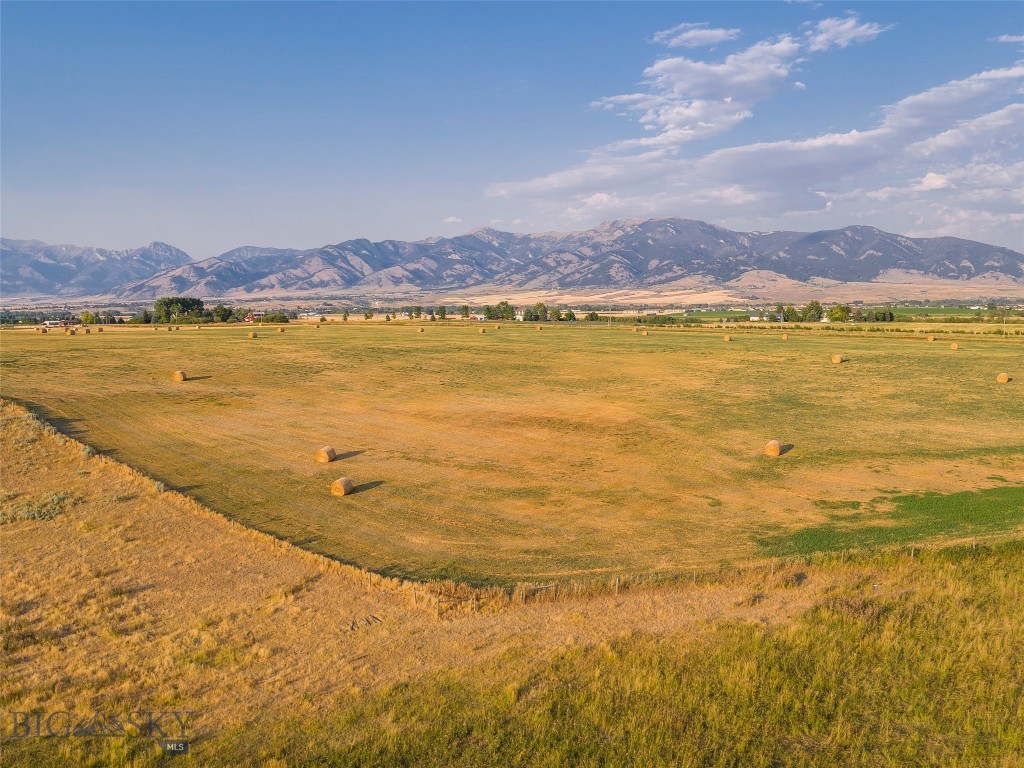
x: 580, y: 452
x: 120, y: 598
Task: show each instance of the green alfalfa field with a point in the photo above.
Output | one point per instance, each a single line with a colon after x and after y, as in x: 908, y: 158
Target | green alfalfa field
x: 572, y: 453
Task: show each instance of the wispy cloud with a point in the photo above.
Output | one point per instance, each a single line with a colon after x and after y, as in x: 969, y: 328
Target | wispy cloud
x: 694, y: 35
x: 937, y: 150
x: 451, y: 220
x: 839, y: 33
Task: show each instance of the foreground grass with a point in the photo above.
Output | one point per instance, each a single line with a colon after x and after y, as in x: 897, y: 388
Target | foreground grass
x: 136, y: 598
x: 906, y: 664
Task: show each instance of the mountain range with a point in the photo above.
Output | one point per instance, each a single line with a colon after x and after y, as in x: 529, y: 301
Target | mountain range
x: 617, y: 254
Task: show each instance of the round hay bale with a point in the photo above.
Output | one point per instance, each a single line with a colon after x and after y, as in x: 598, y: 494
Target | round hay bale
x: 483, y: 330
x: 43, y: 330
x: 326, y: 455
x: 931, y: 338
x: 636, y: 330
x: 169, y: 328
x: 644, y: 333
x: 727, y: 337
x: 540, y: 327
x: 69, y: 332
x: 177, y: 327
x: 87, y: 330
x: 179, y: 376
x: 954, y: 345
x: 774, y: 448
x: 252, y: 334
x: 497, y: 327
x: 99, y: 330
x: 419, y: 330
x: 1003, y: 378
x: 342, y: 487
x: 837, y: 359
x: 280, y: 330
x: 785, y: 337
x: 318, y: 325
x: 199, y: 327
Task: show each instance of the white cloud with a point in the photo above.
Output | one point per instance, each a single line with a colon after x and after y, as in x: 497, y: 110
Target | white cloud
x: 1009, y: 39
x: 839, y: 33
x: 932, y: 159
x: 451, y: 220
x: 694, y: 35
x: 931, y: 181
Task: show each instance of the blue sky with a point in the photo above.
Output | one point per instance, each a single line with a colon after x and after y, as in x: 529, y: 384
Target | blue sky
x: 213, y: 125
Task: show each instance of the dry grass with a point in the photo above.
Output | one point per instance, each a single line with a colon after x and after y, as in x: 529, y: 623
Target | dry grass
x: 601, y: 458
x: 135, y: 597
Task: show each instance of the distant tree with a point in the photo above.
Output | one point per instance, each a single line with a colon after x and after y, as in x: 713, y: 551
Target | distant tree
x: 789, y: 314
x: 442, y: 312
x: 858, y: 315
x: 813, y: 312
x: 505, y: 311
x: 555, y: 314
x: 387, y: 317
x: 169, y: 307
x: 464, y: 311
x: 368, y: 314
x: 433, y: 317
x: 840, y: 313
x: 88, y: 318
x: 570, y: 315
x: 344, y: 315
x: 540, y: 311
x: 592, y: 317
x: 275, y: 317
x: 221, y: 313
x: 147, y: 318
x: 417, y: 312
x: 323, y: 318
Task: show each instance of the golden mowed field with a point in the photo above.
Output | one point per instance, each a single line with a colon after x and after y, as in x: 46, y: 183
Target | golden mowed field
x: 580, y: 452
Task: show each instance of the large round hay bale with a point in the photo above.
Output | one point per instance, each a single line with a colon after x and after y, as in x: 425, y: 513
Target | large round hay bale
x: 1003, y: 378
x: 954, y: 345
x: 419, y: 330
x: 636, y: 330
x: 169, y: 328
x: 199, y: 327
x: 280, y: 330
x: 99, y: 330
x: 785, y: 337
x: 540, y: 327
x: 727, y: 337
x: 774, y: 448
x: 326, y: 455
x: 318, y: 325
x: 69, y: 332
x: 838, y: 359
x: 177, y: 327
x: 253, y: 334
x: 497, y: 327
x: 483, y: 330
x: 179, y: 376
x: 87, y: 330
x: 931, y: 338
x: 643, y: 333
x: 43, y: 330
x: 342, y: 487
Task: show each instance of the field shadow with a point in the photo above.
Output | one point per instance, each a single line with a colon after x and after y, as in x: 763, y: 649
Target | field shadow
x: 347, y: 455
x: 367, y: 486
x: 786, y: 449
x: 198, y: 378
